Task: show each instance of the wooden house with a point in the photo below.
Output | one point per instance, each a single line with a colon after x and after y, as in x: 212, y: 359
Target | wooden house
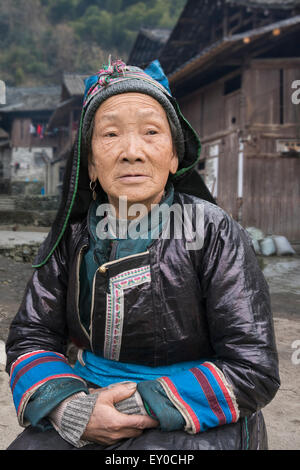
x: 5, y: 162
x: 64, y: 122
x: 234, y: 67
x: 23, y: 118
x: 147, y: 46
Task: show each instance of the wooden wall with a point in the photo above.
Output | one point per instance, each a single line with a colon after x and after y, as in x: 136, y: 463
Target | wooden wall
x: 20, y: 135
x: 261, y: 91
x: 259, y: 114
x: 272, y: 195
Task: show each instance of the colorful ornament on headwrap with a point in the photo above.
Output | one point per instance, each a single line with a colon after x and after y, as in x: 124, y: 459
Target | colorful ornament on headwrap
x: 117, y: 71
x: 108, y: 71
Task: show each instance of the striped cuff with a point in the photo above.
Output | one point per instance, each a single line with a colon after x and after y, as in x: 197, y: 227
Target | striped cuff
x: 203, y: 396
x: 72, y: 417
x: 133, y: 405
x: 57, y: 413
x: 33, y: 369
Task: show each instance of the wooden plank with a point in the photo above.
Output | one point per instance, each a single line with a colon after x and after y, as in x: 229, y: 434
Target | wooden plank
x: 290, y: 62
x: 213, y: 110
x: 295, y: 197
x: 180, y: 43
x: 192, y: 109
x: 261, y: 156
x: 291, y: 110
x: 272, y: 196
x: 261, y: 90
x: 228, y: 173
x: 232, y: 103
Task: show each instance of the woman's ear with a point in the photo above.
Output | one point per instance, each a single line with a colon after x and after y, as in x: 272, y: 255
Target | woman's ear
x: 174, y: 163
x: 91, y: 169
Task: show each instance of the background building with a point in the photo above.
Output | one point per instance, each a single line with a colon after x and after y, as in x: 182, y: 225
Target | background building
x: 29, y: 145
x: 232, y: 65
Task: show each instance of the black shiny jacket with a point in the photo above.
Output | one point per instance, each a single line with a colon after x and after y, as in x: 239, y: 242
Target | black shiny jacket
x: 210, y: 303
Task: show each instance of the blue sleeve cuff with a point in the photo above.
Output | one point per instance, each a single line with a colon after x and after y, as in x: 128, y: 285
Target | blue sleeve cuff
x: 203, y: 396
x: 47, y: 397
x: 154, y: 396
x: 33, y: 370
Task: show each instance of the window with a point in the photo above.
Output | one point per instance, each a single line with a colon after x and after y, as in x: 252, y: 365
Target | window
x: 233, y: 84
x: 61, y: 173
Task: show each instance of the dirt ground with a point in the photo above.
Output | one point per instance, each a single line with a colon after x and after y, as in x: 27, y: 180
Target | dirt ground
x: 282, y: 415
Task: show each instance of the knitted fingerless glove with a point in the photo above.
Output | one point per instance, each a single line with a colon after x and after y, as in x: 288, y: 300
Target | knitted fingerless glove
x: 71, y: 417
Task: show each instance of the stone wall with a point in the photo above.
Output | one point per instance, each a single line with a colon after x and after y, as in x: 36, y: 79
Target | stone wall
x: 25, y: 253
x: 37, y: 203
x: 39, y: 211
x: 36, y: 218
x: 25, y: 187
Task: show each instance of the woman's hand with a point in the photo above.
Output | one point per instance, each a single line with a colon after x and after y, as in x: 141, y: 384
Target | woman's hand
x: 107, y: 425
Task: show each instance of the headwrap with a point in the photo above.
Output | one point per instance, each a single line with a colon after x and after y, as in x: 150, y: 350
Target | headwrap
x: 117, y: 78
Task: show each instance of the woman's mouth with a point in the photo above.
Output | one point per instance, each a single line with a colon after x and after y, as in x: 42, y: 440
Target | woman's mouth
x: 136, y: 178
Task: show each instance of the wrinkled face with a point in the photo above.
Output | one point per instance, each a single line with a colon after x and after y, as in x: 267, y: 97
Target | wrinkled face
x: 132, y: 149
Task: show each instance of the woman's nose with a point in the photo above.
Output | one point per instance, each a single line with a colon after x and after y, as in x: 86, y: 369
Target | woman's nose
x: 132, y: 149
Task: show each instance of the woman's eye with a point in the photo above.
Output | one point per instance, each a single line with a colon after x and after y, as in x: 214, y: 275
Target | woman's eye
x: 151, y: 132
x: 110, y: 134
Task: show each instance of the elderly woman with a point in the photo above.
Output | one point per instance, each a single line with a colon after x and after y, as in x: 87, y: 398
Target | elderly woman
x: 175, y: 343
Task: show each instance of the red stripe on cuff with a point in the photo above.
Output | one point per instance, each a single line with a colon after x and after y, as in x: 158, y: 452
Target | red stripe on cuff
x: 34, y: 363
x: 210, y: 394
x: 224, y: 390
x: 32, y: 353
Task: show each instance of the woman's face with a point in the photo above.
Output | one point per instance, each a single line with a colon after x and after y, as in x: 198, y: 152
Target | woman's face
x: 132, y: 149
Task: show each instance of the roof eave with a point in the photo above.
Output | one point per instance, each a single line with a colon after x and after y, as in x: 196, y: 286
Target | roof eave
x: 216, y: 48
x: 288, y: 5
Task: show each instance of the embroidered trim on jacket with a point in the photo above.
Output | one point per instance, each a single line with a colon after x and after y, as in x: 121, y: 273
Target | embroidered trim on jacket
x: 115, y: 308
